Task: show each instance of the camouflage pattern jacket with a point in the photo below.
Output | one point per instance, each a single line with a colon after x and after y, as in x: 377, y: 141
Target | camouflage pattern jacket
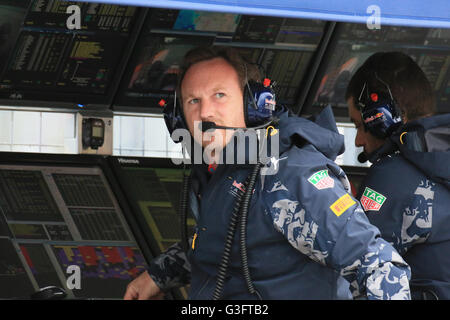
x: 307, y: 238
x: 407, y: 196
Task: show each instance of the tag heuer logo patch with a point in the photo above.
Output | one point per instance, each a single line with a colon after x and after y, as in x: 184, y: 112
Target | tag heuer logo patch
x: 372, y: 200
x: 321, y: 180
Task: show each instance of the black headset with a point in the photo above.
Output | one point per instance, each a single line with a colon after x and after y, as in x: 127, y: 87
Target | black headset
x: 379, y: 111
x: 259, y: 106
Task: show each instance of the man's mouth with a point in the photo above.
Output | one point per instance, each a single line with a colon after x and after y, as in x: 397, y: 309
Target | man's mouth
x: 209, y: 139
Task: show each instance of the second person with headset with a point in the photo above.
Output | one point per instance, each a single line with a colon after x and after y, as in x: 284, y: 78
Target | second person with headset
x: 406, y: 193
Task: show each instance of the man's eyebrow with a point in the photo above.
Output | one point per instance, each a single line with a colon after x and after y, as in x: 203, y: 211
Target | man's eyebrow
x: 220, y: 88
x: 188, y: 96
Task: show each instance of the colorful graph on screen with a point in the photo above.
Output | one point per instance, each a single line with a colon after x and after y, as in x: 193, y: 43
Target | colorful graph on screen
x: 105, y: 270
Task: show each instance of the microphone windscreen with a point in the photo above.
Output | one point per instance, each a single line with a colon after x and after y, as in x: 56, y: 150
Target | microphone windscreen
x: 206, y: 125
x: 362, y: 157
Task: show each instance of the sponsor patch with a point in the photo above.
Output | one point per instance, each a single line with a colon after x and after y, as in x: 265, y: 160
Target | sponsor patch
x: 374, y: 117
x: 321, y: 180
x: 238, y: 185
x: 235, y: 187
x: 342, y: 204
x: 372, y: 200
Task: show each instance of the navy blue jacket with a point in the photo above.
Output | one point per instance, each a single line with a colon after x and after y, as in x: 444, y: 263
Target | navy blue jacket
x: 307, y: 238
x: 407, y: 196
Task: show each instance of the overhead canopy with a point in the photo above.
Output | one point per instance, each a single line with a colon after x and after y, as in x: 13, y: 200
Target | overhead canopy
x: 414, y: 13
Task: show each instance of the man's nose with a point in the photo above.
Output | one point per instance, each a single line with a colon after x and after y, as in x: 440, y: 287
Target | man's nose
x: 206, y: 110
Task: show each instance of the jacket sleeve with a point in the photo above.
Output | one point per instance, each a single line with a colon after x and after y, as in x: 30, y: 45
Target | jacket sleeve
x: 324, y: 222
x: 404, y: 214
x: 171, y: 269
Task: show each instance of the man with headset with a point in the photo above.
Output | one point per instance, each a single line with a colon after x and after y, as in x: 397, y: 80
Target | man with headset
x: 406, y: 193
x: 295, y: 233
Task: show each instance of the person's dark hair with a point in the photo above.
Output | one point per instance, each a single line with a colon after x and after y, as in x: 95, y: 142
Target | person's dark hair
x: 408, y: 83
x: 246, y: 71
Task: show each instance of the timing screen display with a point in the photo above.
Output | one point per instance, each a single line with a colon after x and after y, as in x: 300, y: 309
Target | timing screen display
x: 47, y: 56
x: 53, y: 219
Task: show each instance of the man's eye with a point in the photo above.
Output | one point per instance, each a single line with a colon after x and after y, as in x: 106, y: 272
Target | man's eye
x: 193, y: 101
x: 220, y: 95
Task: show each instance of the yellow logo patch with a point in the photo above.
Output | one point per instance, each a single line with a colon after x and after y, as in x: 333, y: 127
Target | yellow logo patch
x: 342, y: 204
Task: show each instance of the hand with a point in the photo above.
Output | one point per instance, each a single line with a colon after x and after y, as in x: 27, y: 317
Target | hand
x: 143, y: 288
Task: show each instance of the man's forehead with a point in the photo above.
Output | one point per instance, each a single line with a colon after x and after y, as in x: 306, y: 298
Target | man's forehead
x: 354, y: 113
x: 198, y: 90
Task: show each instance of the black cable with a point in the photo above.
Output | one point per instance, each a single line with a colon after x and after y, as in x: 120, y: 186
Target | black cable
x: 240, y: 213
x: 223, y: 266
x: 243, y: 229
x: 184, y: 200
x: 240, y: 210
x: 243, y: 225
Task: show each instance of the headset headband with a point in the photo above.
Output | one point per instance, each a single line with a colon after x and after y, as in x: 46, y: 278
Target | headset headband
x: 379, y: 112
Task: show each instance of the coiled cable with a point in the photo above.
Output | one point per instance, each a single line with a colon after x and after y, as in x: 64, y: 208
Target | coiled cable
x: 240, y: 214
x: 223, y: 266
x: 182, y: 209
x: 243, y: 230
x: 240, y: 211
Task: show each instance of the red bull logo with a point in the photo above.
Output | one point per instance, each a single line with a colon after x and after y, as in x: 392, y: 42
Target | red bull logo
x: 374, y: 117
x: 269, y: 103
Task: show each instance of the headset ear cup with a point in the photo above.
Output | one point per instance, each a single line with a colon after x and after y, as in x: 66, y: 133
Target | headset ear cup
x: 181, y: 118
x: 381, y: 118
x: 173, y: 116
x: 259, y: 103
x: 380, y: 113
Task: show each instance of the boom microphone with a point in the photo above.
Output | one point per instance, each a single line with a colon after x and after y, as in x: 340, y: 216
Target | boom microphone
x: 206, y: 125
x: 362, y: 157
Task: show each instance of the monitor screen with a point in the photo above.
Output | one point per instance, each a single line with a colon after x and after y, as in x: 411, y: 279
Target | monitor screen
x: 57, y: 217
x: 155, y: 66
x: 287, y: 68
x: 14, y: 279
x: 206, y: 21
x: 354, y: 43
x: 94, y: 16
x: 153, y: 186
x: 12, y: 14
x: 159, y: 63
x: 54, y: 61
x: 281, y: 47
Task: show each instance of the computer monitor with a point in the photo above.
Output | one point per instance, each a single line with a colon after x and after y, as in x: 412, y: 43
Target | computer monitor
x: 151, y: 74
x: 12, y: 14
x: 65, y: 212
x: 353, y: 43
x: 153, y: 186
x: 282, y: 48
x: 52, y: 64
